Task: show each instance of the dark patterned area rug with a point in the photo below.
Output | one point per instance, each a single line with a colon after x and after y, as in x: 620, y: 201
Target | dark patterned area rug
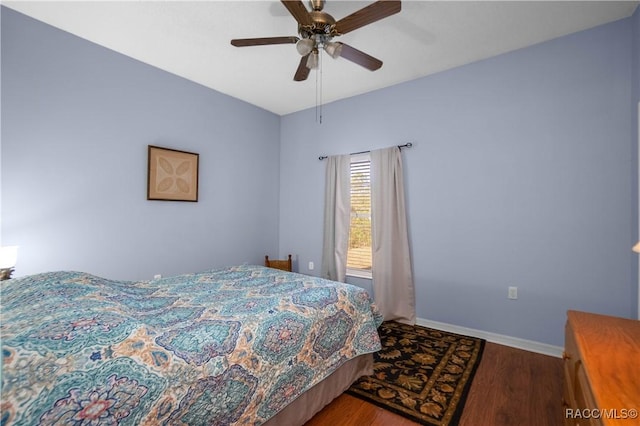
x: 421, y: 373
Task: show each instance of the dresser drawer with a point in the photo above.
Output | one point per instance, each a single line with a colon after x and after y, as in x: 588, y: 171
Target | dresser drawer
x: 571, y: 355
x: 570, y: 358
x: 584, y: 400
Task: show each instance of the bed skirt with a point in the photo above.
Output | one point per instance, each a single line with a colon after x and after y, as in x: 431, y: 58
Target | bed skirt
x: 315, y: 399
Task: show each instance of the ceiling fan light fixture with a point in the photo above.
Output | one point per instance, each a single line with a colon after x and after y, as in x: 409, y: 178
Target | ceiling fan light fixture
x: 313, y: 60
x: 305, y: 46
x: 333, y: 49
x: 316, y: 29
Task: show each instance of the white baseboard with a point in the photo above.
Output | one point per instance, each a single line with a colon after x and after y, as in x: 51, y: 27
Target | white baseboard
x: 514, y: 342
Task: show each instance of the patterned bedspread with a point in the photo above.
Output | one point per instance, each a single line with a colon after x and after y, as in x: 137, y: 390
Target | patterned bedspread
x: 226, y: 346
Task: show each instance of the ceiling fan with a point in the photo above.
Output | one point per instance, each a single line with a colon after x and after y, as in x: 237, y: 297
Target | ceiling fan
x: 318, y: 28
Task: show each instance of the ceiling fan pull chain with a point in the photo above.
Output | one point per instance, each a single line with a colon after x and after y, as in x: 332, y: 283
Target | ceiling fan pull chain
x: 320, y: 58
x: 317, y: 120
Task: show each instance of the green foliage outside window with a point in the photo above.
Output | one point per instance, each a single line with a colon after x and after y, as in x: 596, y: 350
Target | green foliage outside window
x: 359, y: 252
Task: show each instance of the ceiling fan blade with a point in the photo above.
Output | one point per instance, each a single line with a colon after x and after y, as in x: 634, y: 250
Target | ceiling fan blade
x: 359, y: 57
x: 302, y: 72
x: 372, y: 13
x: 299, y: 12
x: 242, y: 42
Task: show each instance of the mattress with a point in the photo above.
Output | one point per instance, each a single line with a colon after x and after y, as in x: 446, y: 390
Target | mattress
x: 226, y: 346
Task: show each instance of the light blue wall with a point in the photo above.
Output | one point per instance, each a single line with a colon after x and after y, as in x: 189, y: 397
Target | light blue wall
x: 635, y: 48
x: 522, y: 174
x: 76, y: 122
x: 635, y: 127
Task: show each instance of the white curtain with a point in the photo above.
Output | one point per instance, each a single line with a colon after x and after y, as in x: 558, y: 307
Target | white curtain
x: 337, y: 210
x: 391, y: 264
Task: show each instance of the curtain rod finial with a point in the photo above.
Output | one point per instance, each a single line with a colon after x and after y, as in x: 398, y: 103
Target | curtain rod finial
x: 406, y: 145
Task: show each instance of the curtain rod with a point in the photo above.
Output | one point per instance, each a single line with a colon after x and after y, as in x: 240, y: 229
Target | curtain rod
x: 406, y: 145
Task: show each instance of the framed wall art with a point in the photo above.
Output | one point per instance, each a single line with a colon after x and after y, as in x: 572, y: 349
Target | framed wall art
x: 172, y: 175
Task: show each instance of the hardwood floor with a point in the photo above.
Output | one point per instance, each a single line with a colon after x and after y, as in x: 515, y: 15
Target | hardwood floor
x: 511, y: 387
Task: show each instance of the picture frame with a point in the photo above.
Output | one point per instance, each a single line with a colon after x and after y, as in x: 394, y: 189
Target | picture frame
x: 172, y: 175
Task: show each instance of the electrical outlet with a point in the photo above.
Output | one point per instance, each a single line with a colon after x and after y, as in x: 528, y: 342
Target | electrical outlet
x: 311, y: 266
x: 513, y: 293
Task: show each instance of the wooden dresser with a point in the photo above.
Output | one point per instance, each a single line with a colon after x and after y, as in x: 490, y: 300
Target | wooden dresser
x: 601, y: 370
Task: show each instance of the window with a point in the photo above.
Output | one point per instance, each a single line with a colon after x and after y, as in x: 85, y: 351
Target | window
x: 359, y: 250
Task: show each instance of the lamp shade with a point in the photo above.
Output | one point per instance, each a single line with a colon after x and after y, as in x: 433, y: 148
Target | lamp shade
x: 333, y: 49
x: 313, y: 60
x: 8, y: 256
x: 305, y: 46
x: 636, y: 248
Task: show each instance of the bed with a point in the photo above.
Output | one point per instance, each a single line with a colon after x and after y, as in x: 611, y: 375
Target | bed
x: 244, y: 345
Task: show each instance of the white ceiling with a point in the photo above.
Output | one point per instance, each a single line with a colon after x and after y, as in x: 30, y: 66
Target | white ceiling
x: 191, y: 39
